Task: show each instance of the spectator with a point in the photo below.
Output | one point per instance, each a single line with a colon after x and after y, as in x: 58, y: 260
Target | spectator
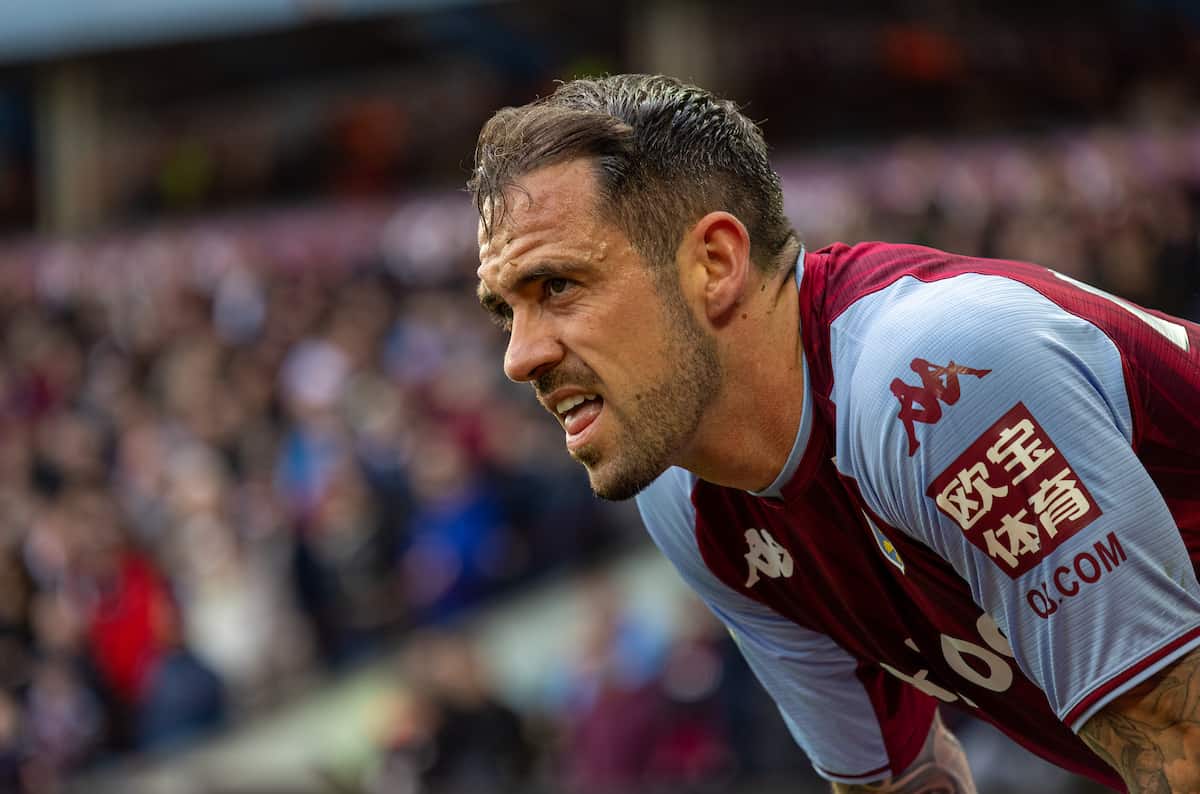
x: 450, y: 732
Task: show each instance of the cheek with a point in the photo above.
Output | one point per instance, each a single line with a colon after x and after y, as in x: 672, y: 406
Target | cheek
x: 635, y: 359
x: 623, y: 333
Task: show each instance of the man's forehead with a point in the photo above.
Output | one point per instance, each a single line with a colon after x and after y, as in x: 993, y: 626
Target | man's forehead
x: 538, y: 200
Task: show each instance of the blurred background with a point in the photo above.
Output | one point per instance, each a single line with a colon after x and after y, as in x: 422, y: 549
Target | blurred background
x: 271, y: 520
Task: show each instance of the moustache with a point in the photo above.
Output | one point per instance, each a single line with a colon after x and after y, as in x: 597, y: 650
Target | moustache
x: 548, y: 382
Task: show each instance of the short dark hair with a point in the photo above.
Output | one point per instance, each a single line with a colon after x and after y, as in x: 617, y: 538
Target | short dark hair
x: 666, y: 153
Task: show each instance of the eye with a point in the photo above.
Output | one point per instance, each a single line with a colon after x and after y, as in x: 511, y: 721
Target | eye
x: 556, y: 286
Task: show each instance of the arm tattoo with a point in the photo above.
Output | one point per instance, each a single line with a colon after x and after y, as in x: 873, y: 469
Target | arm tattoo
x: 1151, y: 734
x: 941, y: 768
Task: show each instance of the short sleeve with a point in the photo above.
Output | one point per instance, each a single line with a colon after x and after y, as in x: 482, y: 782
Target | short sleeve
x: 995, y: 427
x: 856, y: 723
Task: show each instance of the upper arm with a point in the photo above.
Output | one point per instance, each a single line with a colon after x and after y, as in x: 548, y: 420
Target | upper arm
x: 1024, y: 479
x: 855, y: 722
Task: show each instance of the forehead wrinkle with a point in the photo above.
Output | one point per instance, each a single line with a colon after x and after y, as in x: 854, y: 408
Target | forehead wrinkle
x: 546, y: 210
x: 516, y: 260
x: 544, y: 199
x: 525, y: 210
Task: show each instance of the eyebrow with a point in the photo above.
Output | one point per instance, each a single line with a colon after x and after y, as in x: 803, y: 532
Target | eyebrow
x: 496, y: 305
x: 490, y: 301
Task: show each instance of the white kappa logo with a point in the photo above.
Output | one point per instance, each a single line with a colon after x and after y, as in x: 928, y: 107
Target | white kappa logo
x: 766, y: 556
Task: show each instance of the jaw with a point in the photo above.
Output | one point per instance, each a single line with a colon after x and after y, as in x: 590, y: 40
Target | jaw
x: 669, y: 382
x: 625, y: 459
x: 618, y: 486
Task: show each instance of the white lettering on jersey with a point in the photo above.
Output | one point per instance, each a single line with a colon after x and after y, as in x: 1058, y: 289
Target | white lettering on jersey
x: 955, y: 499
x: 1059, y: 499
x: 766, y: 556
x: 1004, y: 494
x: 1019, y: 447
x: 920, y: 679
x: 1022, y: 538
x: 999, y: 676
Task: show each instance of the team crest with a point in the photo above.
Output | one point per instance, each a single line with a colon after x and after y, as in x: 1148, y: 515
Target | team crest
x: 886, y: 546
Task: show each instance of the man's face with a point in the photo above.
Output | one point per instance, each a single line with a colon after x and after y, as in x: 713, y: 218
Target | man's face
x: 610, y: 347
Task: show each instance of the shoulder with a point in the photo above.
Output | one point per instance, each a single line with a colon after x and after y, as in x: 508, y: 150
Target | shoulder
x: 848, y: 273
x: 928, y: 341
x: 922, y: 369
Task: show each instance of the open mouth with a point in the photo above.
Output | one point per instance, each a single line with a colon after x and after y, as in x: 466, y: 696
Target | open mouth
x: 579, y: 413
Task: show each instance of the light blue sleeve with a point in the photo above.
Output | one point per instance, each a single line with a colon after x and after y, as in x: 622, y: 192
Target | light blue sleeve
x: 812, y: 679
x: 1023, y: 476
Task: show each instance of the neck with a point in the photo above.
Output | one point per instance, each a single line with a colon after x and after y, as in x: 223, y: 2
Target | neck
x: 748, y: 432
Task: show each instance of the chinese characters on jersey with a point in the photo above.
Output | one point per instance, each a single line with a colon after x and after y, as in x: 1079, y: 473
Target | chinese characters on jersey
x: 1014, y: 494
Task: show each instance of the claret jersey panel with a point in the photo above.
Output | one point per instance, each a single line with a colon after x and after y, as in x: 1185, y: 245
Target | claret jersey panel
x: 856, y: 722
x: 995, y: 505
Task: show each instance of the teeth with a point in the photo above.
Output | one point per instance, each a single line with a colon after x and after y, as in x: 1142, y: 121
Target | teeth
x: 569, y: 403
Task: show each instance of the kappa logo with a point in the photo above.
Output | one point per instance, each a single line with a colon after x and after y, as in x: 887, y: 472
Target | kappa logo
x: 766, y: 557
x: 924, y: 403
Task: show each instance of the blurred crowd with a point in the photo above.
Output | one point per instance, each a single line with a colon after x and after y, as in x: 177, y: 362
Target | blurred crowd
x: 215, y: 482
x: 1115, y: 207
x: 636, y: 707
x: 236, y: 453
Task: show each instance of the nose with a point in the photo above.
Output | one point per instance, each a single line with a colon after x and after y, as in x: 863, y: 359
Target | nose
x: 532, y: 348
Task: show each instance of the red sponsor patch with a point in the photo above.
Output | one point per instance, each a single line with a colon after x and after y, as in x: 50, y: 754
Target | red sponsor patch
x: 1014, y: 494
x: 924, y: 403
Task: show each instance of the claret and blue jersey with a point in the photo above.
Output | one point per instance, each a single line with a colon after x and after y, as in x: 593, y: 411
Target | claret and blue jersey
x: 992, y: 502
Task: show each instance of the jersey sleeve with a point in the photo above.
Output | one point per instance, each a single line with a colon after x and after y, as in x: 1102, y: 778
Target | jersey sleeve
x: 995, y: 427
x: 856, y: 723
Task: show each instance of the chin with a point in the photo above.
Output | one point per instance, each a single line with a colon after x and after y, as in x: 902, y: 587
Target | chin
x: 616, y: 485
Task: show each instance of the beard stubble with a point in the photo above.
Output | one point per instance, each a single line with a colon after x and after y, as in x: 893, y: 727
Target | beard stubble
x: 661, y: 418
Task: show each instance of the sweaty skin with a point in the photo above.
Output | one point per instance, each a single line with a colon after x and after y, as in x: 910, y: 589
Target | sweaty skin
x: 675, y: 350
x: 586, y: 318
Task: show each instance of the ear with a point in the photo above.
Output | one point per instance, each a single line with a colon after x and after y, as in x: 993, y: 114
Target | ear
x: 716, y: 264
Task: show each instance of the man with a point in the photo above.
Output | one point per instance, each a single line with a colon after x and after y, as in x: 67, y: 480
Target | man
x: 900, y: 477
